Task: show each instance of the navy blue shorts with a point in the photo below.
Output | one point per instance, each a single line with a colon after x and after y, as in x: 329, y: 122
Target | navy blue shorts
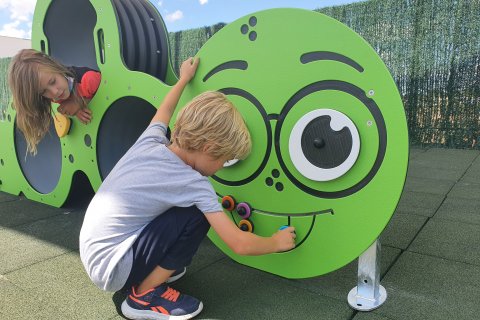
x: 169, y: 241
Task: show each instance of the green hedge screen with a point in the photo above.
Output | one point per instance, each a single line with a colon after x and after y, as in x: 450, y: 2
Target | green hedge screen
x: 431, y: 47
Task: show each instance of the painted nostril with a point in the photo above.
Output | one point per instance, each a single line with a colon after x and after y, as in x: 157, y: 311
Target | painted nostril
x: 279, y: 186
x: 244, y: 29
x: 275, y: 173
x: 269, y: 181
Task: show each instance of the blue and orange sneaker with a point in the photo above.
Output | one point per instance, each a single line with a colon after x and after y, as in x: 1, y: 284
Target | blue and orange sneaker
x: 160, y: 303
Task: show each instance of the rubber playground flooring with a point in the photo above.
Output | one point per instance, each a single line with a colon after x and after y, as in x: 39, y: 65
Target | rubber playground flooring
x: 430, y: 260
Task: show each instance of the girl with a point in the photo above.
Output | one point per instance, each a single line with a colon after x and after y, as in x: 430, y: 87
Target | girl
x: 36, y: 80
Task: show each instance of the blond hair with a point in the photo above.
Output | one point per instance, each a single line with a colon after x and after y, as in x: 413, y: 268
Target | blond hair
x: 34, y: 112
x: 211, y: 123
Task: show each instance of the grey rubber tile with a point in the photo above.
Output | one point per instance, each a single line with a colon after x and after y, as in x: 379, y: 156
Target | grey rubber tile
x: 22, y: 211
x: 232, y: 291
x: 414, y: 152
x: 22, y: 250
x: 449, y: 159
x: 419, y: 203
x: 60, y: 230
x: 401, y: 230
x: 422, y: 171
x: 461, y: 210
x: 5, y: 197
x: 428, y: 185
x: 64, y: 288
x: 437, y: 277
x: 19, y: 304
x: 473, y: 173
x: 369, y: 316
x: 337, y: 284
x: 466, y: 190
x: 451, y: 240
x: 421, y: 287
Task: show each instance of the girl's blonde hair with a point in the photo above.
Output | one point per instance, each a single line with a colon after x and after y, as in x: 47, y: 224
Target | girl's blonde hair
x: 211, y: 123
x: 34, y: 112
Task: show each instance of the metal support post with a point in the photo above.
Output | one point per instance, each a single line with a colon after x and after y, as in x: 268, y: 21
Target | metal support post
x: 368, y: 294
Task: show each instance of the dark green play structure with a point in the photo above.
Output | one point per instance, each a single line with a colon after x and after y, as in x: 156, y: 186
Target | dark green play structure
x: 329, y: 131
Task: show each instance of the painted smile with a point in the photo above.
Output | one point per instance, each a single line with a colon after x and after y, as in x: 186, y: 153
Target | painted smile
x: 289, y: 215
x: 264, y: 223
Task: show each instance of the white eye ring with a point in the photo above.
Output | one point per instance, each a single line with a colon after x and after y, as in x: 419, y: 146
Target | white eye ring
x: 230, y: 163
x: 337, y: 123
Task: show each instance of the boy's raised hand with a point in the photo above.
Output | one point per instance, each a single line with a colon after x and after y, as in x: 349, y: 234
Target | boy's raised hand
x: 165, y: 111
x: 285, y: 239
x: 188, y: 69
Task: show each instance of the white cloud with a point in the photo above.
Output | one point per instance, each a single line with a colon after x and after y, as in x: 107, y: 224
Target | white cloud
x: 159, y: 3
x: 177, y: 15
x: 12, y: 30
x: 19, y: 10
x: 20, y: 15
x: 202, y: 2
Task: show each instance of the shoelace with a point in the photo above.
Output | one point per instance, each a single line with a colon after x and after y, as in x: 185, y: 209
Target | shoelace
x: 171, y: 294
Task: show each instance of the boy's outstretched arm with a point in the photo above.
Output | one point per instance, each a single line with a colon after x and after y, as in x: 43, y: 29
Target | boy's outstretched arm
x: 247, y: 243
x: 169, y: 103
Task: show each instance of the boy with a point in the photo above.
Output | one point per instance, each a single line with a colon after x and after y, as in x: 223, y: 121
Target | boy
x: 147, y: 219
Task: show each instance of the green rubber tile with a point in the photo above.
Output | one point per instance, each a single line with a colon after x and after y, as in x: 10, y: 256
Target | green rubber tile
x: 419, y: 203
x: 415, y: 152
x: 473, y: 173
x: 449, y: 159
x: 20, y: 304
x: 369, y: 316
x: 466, y: 190
x: 461, y: 210
x: 421, y: 287
x: 401, y: 230
x: 337, y: 284
x: 451, y: 240
x: 422, y: 171
x: 233, y: 291
x: 65, y: 287
x: 54, y: 272
x: 428, y: 185
x: 60, y: 230
x: 22, y: 211
x: 24, y: 250
x: 4, y: 197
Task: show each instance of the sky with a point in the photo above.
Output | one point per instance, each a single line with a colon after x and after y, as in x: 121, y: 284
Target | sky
x: 16, y: 15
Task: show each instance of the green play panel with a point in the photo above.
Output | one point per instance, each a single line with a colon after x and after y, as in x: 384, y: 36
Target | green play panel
x: 330, y: 140
x: 128, y: 43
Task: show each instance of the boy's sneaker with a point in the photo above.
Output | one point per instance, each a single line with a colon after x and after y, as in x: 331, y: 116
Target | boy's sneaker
x: 161, y: 303
x: 176, y: 275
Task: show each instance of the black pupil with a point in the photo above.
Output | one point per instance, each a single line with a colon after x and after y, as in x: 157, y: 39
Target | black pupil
x: 324, y: 147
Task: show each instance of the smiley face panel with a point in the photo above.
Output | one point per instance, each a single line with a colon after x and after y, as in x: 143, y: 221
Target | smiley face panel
x: 330, y: 144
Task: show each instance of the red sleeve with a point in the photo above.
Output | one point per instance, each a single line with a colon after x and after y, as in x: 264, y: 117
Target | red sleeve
x: 89, y: 84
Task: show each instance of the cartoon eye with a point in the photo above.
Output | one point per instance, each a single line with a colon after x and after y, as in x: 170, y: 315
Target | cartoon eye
x: 230, y: 163
x: 324, y: 144
x: 318, y: 139
x: 234, y: 172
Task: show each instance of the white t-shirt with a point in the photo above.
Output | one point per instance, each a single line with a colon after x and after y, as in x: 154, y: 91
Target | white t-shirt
x: 147, y: 181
